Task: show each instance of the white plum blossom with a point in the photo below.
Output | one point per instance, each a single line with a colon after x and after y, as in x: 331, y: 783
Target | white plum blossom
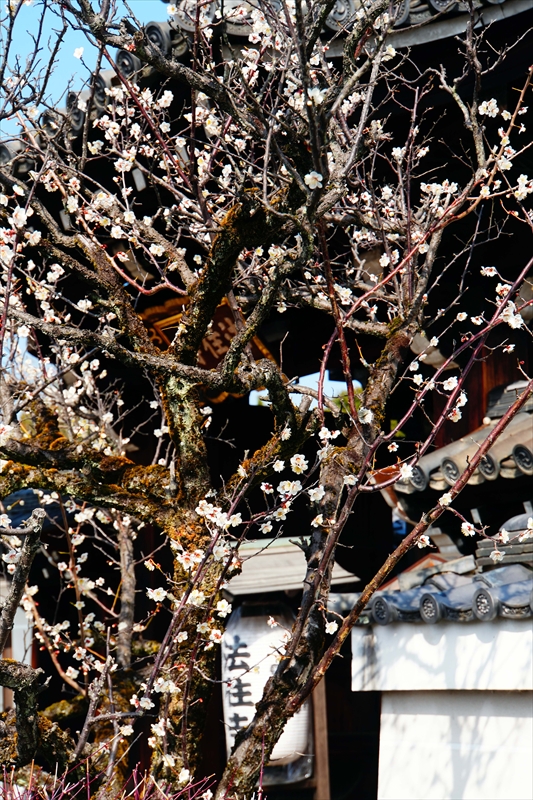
x: 504, y: 164
x: 95, y: 147
x: 345, y: 294
x: 467, y: 529
x: 19, y: 217
x: 280, y: 514
x: 496, y: 556
x: 196, y: 597
x: 316, y: 95
x: 184, y: 777
x: 298, y: 463
x: 165, y: 686
x: 166, y: 99
x: 450, y: 384
x: 12, y: 557
x: 502, y: 289
x: 185, y: 559
x: 489, y: 108
x: 511, y: 317
x: 406, y: 472
x: 316, y: 494
x: 290, y: 488
x: 72, y: 204
x: 220, y: 551
x: 423, y: 541
x: 71, y: 672
x: 332, y: 627
x: 349, y: 480
x: 313, y: 180
x: 445, y: 499
x: 158, y: 728
x: 365, y: 415
x: 524, y: 187
x: 265, y: 527
x: 324, y: 434
x: 158, y: 595
x: 223, y: 608
x: 318, y: 520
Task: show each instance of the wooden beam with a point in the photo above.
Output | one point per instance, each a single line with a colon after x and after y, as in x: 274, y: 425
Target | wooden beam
x: 320, y: 725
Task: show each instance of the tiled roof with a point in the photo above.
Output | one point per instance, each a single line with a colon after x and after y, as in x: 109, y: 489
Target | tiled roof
x: 432, y: 19
x: 510, y: 457
x: 447, y: 596
x: 276, y: 565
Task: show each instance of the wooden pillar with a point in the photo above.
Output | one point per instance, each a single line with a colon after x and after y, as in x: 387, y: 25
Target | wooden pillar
x: 7, y: 694
x: 320, y: 725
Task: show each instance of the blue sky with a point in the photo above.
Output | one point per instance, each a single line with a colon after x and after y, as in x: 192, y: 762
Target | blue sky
x: 68, y: 67
x: 331, y: 389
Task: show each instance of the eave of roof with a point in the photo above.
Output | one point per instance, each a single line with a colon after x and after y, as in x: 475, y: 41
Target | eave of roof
x: 276, y: 565
x: 510, y: 457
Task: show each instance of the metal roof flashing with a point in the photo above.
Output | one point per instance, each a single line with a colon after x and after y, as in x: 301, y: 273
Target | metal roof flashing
x: 276, y: 565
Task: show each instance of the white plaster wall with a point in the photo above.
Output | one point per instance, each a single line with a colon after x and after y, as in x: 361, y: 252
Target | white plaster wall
x: 410, y: 657
x: 444, y: 745
x: 21, y: 637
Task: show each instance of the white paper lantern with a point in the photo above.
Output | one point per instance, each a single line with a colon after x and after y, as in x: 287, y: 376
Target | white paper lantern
x: 251, y: 650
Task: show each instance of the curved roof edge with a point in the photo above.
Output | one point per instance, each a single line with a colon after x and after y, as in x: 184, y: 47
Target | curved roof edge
x: 445, y: 27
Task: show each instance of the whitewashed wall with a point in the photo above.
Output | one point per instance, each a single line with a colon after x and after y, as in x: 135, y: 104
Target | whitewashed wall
x: 442, y: 745
x: 404, y: 657
x: 456, y: 708
x: 21, y: 639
